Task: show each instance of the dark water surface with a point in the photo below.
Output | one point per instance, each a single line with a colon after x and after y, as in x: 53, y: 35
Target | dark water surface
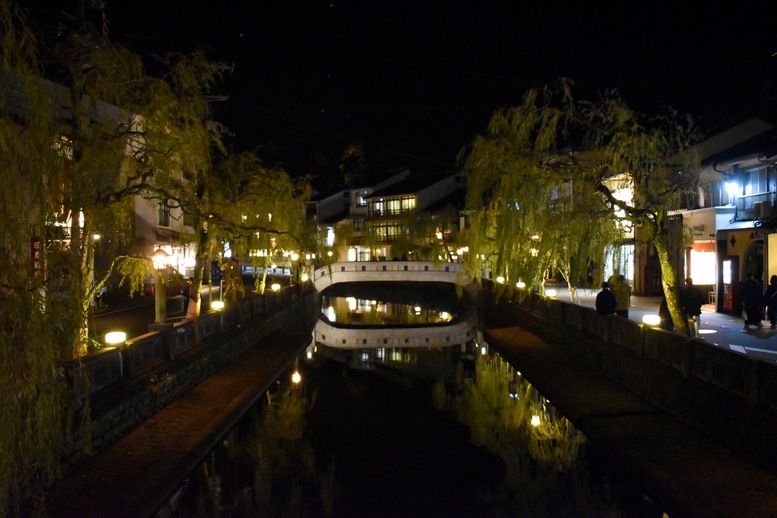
x: 449, y: 432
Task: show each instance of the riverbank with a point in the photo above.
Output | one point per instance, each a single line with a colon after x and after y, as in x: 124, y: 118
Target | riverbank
x: 144, y: 468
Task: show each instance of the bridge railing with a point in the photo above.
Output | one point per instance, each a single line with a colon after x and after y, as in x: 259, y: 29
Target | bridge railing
x: 389, y: 271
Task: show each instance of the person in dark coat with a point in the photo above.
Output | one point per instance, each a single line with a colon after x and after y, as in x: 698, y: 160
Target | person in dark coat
x: 770, y: 301
x: 691, y: 300
x: 751, y: 295
x: 606, y: 303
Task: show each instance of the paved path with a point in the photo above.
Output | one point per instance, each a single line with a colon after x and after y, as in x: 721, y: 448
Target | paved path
x: 140, y: 471
x: 719, y: 329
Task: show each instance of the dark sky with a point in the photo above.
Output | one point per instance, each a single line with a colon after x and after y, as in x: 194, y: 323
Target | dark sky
x: 414, y: 81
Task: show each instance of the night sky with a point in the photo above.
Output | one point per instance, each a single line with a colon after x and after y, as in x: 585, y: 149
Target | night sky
x: 413, y: 82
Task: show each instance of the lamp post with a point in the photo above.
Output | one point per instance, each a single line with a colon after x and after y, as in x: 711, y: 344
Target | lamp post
x: 159, y: 258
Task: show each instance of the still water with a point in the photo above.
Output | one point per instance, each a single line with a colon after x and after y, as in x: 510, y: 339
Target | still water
x: 405, y: 431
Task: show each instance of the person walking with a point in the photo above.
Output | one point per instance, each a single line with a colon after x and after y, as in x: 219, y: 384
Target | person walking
x: 691, y: 301
x: 770, y: 301
x: 751, y: 301
x: 622, y: 290
x: 606, y: 301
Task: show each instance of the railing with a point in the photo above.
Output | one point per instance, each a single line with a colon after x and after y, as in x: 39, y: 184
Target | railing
x: 127, y: 383
x: 389, y: 271
x: 398, y: 337
x: 755, y: 206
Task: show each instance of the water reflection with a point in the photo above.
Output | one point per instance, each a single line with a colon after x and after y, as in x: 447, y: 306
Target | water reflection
x: 541, y: 451
x: 358, y: 312
x: 359, y: 320
x: 404, y: 431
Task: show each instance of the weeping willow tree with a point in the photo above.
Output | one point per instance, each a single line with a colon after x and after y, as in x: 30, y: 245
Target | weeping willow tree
x: 542, y: 452
x: 653, y: 159
x: 546, y: 185
x: 529, y: 212
x: 31, y: 387
x: 75, y: 153
x: 260, y: 213
x: 423, y: 236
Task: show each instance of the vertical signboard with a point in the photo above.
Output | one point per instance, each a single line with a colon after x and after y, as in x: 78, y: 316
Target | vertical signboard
x: 36, y: 258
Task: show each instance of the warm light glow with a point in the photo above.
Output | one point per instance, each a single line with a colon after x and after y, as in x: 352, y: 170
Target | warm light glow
x: 535, y: 420
x: 96, y: 237
x: 500, y: 280
x: 294, y: 256
x: 351, y: 303
x: 417, y: 310
x: 703, y: 267
x: 275, y: 287
x: 310, y: 355
x: 159, y: 258
x: 304, y: 277
x: 550, y: 293
x: 115, y: 337
x: 329, y: 253
x: 218, y: 305
x: 483, y: 351
x: 651, y: 320
x: 445, y: 316
x: 520, y: 285
x: 296, y: 377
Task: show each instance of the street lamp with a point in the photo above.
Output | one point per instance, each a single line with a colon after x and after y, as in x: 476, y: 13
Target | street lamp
x: 159, y: 258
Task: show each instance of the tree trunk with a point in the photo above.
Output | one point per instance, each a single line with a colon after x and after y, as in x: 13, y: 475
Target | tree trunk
x: 670, y: 284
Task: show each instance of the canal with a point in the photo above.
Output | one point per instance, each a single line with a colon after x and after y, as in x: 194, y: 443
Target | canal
x: 442, y: 430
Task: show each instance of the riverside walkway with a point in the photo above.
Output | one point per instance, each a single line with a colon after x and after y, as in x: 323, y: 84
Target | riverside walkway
x: 143, y: 469
x: 718, y: 329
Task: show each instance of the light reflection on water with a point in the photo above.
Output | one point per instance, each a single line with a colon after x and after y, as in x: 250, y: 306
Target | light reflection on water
x: 352, y: 311
x: 444, y: 431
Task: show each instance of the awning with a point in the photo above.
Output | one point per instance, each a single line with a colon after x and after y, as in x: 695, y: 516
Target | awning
x: 703, y: 246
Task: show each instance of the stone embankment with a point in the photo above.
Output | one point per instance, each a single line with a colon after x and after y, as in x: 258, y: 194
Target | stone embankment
x: 174, y: 394
x: 694, y: 425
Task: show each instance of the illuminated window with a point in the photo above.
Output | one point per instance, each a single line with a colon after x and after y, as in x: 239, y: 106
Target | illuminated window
x: 386, y: 230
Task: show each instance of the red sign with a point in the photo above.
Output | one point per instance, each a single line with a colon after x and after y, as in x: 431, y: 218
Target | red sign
x: 36, y: 256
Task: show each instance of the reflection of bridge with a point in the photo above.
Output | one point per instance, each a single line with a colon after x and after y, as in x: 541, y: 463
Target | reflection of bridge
x: 389, y: 271
x: 446, y: 335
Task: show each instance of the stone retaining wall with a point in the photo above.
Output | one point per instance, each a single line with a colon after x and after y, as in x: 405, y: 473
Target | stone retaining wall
x: 729, y: 396
x: 120, y: 387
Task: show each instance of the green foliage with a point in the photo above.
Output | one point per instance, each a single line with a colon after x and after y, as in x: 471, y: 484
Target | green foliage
x: 546, y: 184
x: 529, y: 214
x: 286, y: 478
x: 541, y: 451
x: 419, y: 240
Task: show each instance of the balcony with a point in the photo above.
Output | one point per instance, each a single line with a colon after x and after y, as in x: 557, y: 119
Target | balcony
x: 754, y: 207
